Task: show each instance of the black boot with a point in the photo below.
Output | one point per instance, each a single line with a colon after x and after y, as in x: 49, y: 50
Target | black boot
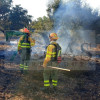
x: 21, y: 71
x: 25, y: 72
x: 45, y: 89
x: 54, y: 89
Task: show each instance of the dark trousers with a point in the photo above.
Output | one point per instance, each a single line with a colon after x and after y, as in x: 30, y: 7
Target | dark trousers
x: 25, y: 58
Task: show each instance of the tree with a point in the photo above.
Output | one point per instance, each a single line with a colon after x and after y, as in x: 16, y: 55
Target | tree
x: 51, y: 10
x: 41, y: 24
x: 19, y: 18
x: 4, y: 14
x: 52, y: 7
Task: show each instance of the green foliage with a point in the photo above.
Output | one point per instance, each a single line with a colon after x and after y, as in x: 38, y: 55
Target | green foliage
x: 13, y: 18
x: 52, y: 7
x: 46, y: 23
x: 41, y: 24
x: 19, y: 18
x: 4, y: 14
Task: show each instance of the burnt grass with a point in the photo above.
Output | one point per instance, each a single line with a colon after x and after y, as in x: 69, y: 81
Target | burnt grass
x: 73, y: 85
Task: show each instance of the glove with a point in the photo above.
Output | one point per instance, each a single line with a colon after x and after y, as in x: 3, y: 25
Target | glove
x: 44, y: 65
x: 19, y: 52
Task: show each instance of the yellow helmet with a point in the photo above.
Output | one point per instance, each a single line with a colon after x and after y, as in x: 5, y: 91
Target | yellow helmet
x: 53, y: 36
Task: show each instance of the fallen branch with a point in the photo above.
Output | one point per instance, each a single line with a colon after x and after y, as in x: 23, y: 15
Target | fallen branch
x: 59, y: 68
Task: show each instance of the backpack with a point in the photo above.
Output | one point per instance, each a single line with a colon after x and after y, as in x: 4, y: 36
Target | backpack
x: 58, y: 53
x: 25, y: 38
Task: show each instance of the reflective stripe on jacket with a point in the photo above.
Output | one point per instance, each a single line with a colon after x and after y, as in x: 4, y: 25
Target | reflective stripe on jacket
x: 25, y: 44
x: 51, y: 53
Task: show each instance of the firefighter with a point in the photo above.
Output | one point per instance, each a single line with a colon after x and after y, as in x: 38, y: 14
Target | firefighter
x: 49, y: 74
x: 24, y: 49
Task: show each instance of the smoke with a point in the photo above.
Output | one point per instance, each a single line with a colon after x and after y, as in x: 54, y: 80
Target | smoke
x: 74, y: 22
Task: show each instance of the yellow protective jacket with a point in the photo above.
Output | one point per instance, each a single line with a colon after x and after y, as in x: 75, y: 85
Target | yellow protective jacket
x: 32, y: 42
x: 49, y: 53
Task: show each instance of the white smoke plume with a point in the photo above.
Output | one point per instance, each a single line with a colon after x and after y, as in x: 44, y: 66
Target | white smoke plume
x: 74, y: 25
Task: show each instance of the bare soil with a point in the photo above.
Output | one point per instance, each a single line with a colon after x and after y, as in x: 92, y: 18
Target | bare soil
x: 74, y: 85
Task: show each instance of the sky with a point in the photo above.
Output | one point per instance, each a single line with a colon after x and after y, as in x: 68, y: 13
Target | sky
x: 36, y: 8
x: 93, y: 4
